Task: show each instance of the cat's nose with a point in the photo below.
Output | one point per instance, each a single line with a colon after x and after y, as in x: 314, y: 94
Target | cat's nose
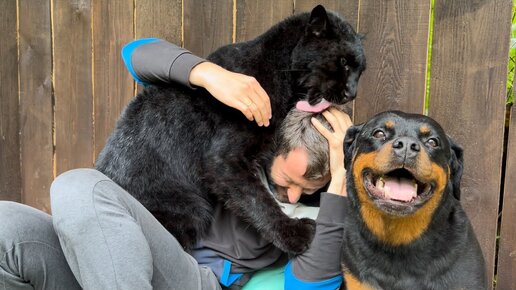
x: 351, y: 90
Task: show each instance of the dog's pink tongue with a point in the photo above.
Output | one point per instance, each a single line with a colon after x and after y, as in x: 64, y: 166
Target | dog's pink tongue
x: 319, y: 107
x: 399, y: 189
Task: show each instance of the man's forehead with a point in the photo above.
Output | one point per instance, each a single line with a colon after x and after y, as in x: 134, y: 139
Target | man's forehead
x: 295, y: 166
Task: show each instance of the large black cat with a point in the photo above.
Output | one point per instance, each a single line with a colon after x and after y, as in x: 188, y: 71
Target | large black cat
x: 179, y: 150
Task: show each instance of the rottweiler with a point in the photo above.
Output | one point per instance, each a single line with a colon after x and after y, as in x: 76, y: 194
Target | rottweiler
x: 406, y: 227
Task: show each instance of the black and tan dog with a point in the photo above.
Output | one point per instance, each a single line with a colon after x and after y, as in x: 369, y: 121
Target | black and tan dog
x: 406, y: 228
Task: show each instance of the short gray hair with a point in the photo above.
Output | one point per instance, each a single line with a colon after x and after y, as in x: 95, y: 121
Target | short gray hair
x: 297, y: 131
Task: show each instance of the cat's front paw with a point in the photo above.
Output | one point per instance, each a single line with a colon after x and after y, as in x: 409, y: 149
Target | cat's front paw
x: 293, y: 236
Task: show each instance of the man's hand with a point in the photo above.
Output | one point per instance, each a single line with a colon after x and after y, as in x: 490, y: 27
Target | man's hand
x: 340, y: 122
x: 236, y: 90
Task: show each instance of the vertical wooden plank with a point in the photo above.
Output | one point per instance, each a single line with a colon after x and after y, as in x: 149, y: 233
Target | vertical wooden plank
x: 36, y: 112
x: 467, y: 96
x: 113, y: 85
x: 207, y: 25
x: 346, y: 8
x: 506, y: 276
x: 159, y: 18
x: 396, y: 52
x: 73, y: 84
x: 10, y: 181
x: 255, y: 17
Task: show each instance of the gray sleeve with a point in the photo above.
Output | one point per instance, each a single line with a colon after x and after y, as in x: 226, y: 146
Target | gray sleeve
x: 322, y: 260
x: 163, y: 62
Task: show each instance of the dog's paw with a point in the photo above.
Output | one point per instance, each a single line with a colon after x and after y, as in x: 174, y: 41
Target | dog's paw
x: 293, y: 236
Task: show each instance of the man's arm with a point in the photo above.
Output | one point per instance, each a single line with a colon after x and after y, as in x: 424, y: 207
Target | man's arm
x: 319, y: 267
x: 155, y: 61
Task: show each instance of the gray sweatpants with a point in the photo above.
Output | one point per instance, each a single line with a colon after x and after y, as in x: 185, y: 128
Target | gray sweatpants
x: 111, y: 241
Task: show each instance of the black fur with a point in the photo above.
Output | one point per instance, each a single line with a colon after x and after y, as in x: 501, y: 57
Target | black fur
x: 178, y: 151
x: 447, y: 255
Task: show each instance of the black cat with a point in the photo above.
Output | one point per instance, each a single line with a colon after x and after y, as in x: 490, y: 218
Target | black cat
x: 179, y: 150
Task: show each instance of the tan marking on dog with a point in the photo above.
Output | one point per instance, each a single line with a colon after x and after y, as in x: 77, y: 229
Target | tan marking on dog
x: 396, y: 230
x: 390, y: 124
x: 353, y: 283
x: 424, y: 130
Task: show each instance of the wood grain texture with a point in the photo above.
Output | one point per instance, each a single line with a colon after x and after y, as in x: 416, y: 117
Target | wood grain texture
x: 396, y: 52
x: 207, y: 25
x: 255, y: 17
x: 36, y: 103
x: 159, y: 18
x: 113, y: 85
x: 506, y: 277
x: 73, y: 84
x: 10, y: 180
x: 346, y: 8
x: 467, y: 96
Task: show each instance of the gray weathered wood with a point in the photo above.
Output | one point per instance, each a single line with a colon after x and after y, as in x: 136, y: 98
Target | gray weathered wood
x: 36, y: 103
x: 10, y: 181
x: 506, y: 275
x: 467, y: 96
x: 396, y: 52
x: 207, y: 25
x: 73, y: 84
x: 114, y: 87
x: 255, y: 17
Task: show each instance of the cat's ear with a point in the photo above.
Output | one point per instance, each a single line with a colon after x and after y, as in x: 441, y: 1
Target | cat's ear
x: 318, y: 21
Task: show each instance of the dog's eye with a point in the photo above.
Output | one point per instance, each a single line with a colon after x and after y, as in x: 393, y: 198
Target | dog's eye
x: 379, y: 134
x: 433, y: 142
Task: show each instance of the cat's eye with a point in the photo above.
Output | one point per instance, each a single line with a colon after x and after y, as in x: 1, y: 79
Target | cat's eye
x: 344, y: 63
x: 432, y: 142
x: 379, y: 134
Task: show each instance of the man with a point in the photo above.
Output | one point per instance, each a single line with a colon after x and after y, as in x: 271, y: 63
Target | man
x: 111, y: 242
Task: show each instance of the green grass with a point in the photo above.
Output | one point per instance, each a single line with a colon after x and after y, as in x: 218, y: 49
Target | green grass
x: 429, y: 56
x: 512, y: 57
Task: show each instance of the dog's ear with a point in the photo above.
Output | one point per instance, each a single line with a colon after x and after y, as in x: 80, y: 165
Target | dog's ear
x: 350, y: 144
x: 456, y: 166
x: 318, y: 21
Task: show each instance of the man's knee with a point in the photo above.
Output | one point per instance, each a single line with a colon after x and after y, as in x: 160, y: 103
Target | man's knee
x: 22, y: 223
x: 75, y: 182
x: 71, y: 196
x: 11, y: 214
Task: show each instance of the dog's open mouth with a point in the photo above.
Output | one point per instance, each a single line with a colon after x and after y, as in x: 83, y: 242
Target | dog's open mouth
x: 397, y: 187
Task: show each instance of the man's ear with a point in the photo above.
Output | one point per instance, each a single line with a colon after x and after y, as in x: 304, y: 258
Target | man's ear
x: 350, y: 144
x: 318, y: 21
x: 456, y: 166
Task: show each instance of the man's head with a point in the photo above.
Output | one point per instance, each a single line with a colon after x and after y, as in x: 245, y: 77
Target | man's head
x: 301, y: 163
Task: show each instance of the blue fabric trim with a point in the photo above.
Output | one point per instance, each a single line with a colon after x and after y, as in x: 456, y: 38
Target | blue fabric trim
x: 293, y: 283
x: 127, y: 52
x: 227, y: 277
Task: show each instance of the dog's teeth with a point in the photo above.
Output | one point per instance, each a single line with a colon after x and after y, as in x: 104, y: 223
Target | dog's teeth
x: 380, y: 183
x: 415, y: 187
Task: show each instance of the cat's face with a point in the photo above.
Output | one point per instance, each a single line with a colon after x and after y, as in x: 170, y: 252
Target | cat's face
x: 329, y: 58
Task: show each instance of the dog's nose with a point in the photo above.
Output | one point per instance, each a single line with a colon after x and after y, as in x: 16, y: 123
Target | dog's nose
x: 406, y: 147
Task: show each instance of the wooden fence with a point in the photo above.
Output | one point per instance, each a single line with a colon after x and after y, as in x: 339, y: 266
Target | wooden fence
x: 63, y: 84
